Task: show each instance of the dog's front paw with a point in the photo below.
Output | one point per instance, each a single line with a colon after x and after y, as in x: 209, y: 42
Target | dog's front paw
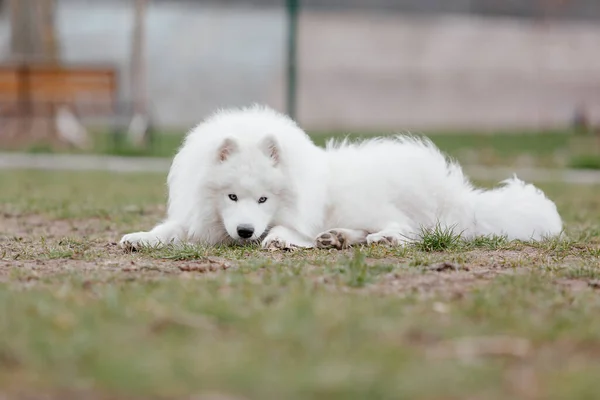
x: 133, y: 241
x: 332, y: 239
x: 277, y: 244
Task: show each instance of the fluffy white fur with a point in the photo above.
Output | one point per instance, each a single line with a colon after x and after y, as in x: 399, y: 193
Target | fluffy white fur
x: 254, y: 172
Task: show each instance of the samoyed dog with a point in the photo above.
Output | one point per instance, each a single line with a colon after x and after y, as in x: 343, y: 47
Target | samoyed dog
x: 249, y: 175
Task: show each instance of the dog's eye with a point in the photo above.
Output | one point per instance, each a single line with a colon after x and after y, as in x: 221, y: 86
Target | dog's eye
x: 232, y: 197
x: 262, y: 200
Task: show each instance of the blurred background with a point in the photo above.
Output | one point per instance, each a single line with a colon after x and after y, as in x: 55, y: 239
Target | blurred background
x: 493, y: 82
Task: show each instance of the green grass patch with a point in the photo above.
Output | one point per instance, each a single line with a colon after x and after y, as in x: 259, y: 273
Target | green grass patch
x: 585, y: 162
x: 438, y: 238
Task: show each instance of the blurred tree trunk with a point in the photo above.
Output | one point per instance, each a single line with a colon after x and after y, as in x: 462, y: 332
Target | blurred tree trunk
x: 33, y: 34
x: 33, y: 40
x: 138, y: 127
x: 51, y: 47
x: 138, y: 70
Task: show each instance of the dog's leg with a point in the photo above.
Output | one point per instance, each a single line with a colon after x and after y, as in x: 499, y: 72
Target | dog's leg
x: 282, y: 238
x: 391, y: 236
x: 162, y: 234
x: 340, y: 238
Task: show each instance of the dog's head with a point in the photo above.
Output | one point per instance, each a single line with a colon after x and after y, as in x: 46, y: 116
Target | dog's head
x: 249, y: 186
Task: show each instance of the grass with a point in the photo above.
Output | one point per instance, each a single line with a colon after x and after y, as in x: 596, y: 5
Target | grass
x: 445, y: 318
x: 585, y: 151
x: 439, y: 238
x: 585, y: 162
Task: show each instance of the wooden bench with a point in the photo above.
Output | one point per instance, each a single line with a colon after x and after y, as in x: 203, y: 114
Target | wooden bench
x: 33, y: 92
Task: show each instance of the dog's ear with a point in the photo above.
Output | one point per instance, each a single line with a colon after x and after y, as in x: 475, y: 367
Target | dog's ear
x: 228, y: 147
x: 271, y: 149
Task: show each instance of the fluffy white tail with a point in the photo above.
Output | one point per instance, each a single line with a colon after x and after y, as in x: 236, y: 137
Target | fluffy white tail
x: 517, y: 210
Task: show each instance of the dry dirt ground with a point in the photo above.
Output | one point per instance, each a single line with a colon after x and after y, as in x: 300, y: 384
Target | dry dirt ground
x: 442, y: 319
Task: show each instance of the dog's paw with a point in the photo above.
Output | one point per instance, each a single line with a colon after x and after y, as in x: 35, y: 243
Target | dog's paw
x: 134, y: 241
x: 278, y: 244
x: 332, y: 239
x: 387, y: 239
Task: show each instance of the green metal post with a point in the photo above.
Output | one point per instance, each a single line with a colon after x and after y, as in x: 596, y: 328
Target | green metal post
x: 292, y: 14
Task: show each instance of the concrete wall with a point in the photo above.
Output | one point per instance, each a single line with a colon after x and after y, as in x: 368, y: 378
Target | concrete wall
x: 389, y: 71
x: 358, y: 70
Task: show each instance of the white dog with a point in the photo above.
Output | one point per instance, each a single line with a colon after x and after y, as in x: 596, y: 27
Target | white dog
x: 252, y: 174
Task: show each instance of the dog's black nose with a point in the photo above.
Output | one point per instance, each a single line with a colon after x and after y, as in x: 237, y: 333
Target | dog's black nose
x: 245, y: 231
